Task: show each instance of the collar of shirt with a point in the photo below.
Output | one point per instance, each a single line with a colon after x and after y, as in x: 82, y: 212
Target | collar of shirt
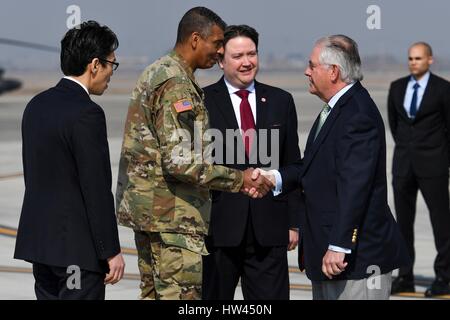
x: 76, y: 81
x: 236, y: 100
x: 422, y: 82
x: 339, y: 94
x: 232, y: 89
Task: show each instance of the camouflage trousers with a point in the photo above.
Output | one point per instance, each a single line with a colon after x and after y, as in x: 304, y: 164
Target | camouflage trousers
x: 170, y: 266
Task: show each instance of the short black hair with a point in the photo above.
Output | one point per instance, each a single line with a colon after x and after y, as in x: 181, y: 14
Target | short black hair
x: 242, y: 30
x: 83, y: 43
x: 198, y: 19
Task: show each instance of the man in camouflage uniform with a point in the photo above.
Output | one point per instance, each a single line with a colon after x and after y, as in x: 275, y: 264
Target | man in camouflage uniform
x: 163, y: 189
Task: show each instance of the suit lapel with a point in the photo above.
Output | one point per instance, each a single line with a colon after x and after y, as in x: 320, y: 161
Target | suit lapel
x: 314, y: 146
x: 401, y: 99
x: 312, y: 134
x: 261, y: 106
x: 426, y: 97
x: 224, y: 104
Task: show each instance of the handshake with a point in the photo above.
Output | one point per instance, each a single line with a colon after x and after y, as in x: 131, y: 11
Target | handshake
x: 257, y: 182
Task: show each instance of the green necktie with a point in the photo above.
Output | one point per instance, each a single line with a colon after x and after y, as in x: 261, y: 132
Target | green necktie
x: 323, y: 116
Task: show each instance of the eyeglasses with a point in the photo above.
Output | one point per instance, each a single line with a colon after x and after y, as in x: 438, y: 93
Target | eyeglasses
x: 114, y: 64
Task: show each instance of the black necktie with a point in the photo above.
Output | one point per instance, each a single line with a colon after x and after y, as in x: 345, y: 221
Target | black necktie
x: 413, y: 108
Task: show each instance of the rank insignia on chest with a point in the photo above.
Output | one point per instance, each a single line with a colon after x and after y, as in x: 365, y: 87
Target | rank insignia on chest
x: 182, y: 105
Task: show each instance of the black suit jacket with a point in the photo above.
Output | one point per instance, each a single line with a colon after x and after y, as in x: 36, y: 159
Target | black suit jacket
x: 68, y: 210
x: 343, y: 175
x: 422, y: 143
x: 271, y: 216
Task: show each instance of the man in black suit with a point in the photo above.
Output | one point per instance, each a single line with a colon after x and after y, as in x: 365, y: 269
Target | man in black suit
x: 419, y: 117
x: 249, y: 239
x: 67, y: 227
x: 348, y: 231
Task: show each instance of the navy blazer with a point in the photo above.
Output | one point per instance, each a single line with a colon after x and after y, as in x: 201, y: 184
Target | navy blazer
x: 343, y: 176
x: 271, y: 216
x: 68, y: 213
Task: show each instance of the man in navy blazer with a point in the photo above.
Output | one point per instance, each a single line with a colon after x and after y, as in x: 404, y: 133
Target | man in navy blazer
x: 68, y: 228
x: 351, y: 241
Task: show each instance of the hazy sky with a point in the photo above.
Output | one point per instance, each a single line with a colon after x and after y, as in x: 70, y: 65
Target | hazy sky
x: 148, y: 28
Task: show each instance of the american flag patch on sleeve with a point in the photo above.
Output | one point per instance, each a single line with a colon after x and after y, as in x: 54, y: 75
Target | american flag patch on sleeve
x: 182, y: 105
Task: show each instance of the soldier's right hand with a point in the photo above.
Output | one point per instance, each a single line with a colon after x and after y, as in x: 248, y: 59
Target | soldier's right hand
x: 116, y: 269
x: 255, y: 185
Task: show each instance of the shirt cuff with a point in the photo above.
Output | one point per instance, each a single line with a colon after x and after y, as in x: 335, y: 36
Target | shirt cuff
x: 339, y: 249
x: 278, y: 182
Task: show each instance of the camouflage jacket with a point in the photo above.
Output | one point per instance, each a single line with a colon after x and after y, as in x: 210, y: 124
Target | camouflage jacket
x: 163, y: 183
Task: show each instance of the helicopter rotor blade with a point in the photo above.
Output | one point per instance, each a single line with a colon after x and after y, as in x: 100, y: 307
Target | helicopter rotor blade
x: 27, y: 44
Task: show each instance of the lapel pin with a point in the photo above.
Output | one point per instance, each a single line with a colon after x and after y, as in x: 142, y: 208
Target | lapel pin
x: 263, y: 99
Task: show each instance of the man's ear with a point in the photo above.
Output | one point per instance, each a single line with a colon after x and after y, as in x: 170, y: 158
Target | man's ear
x: 94, y: 65
x: 334, y: 73
x: 195, y: 38
x: 220, y: 62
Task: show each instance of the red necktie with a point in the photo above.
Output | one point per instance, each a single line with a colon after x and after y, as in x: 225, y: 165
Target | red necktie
x: 247, y: 120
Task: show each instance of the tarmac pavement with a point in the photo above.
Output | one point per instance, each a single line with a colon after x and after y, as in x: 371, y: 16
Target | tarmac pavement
x: 16, y: 280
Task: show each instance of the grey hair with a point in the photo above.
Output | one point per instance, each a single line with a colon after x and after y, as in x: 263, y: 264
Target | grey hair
x: 341, y: 51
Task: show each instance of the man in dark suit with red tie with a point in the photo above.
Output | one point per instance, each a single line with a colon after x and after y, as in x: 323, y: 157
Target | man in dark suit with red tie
x: 249, y: 239
x: 419, y: 117
x: 68, y: 228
